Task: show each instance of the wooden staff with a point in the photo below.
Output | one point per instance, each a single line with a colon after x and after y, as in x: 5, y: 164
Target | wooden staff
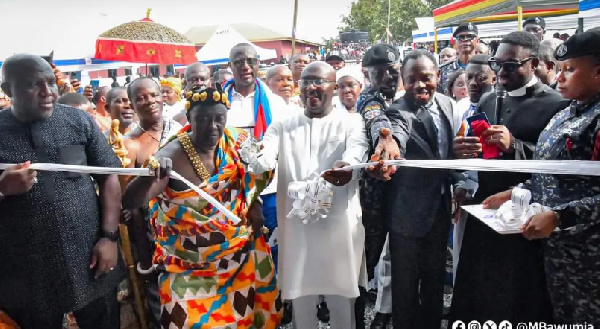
x: 115, y: 139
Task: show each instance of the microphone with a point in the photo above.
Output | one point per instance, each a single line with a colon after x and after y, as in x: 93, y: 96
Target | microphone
x: 500, y: 96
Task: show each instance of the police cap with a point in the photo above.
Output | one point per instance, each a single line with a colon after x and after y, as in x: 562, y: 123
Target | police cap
x: 466, y: 27
x: 334, y: 58
x: 380, y: 54
x: 537, y: 20
x: 581, y: 44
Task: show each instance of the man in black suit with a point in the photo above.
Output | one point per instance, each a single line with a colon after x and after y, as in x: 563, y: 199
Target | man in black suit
x: 420, y: 199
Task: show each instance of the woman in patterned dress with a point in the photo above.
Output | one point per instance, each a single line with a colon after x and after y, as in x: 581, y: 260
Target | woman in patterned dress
x: 571, y: 229
x: 212, y: 273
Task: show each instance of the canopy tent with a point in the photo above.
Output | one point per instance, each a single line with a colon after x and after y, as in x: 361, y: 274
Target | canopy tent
x: 589, y: 10
x: 216, y: 50
x: 87, y: 64
x: 476, y: 11
x: 558, y: 23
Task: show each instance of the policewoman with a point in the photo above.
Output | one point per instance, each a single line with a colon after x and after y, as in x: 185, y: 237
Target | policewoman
x: 572, y: 252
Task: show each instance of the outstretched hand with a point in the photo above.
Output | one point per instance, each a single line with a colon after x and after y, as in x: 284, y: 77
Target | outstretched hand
x: 387, y: 149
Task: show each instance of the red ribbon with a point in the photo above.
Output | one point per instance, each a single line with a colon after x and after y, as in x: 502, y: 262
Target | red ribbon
x: 490, y: 151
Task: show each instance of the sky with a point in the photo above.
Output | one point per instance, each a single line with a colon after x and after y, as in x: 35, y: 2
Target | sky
x: 71, y: 26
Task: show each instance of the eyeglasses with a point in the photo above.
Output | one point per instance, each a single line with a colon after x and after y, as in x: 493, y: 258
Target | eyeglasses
x: 508, y: 66
x: 241, y: 61
x: 316, y: 82
x: 465, y: 37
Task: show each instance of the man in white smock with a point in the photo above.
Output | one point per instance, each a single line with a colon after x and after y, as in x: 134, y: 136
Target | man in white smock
x: 323, y: 257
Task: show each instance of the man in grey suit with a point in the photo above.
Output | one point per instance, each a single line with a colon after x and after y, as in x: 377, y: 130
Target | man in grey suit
x: 419, y: 200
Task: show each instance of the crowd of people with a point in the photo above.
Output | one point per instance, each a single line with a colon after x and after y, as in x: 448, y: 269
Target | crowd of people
x: 246, y: 140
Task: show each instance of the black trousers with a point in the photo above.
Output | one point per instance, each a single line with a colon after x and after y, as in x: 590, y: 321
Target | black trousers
x: 418, y: 269
x: 102, y: 313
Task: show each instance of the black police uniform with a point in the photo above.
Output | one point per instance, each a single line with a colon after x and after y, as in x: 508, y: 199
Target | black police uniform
x: 372, y: 106
x: 447, y: 69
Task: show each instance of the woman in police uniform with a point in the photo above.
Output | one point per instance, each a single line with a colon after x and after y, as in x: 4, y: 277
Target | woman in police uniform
x: 572, y: 253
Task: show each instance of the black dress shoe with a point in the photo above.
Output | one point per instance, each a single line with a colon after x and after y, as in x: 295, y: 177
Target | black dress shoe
x: 380, y: 321
x: 287, y: 313
x: 323, y: 312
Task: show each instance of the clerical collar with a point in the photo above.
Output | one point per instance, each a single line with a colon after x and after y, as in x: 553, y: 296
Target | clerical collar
x: 523, y: 90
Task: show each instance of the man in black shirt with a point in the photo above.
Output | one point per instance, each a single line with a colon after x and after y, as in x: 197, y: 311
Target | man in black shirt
x: 58, y: 237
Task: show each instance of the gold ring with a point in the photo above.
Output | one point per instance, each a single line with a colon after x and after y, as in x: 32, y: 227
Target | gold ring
x: 153, y: 163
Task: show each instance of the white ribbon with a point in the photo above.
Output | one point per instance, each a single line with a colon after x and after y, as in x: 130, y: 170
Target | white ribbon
x: 317, y: 200
x: 311, y: 199
x: 552, y: 167
x: 249, y: 150
x: 129, y: 172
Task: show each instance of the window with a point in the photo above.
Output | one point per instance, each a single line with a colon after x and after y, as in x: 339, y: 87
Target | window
x: 112, y: 73
x: 170, y: 70
x: 128, y: 71
x: 155, y: 71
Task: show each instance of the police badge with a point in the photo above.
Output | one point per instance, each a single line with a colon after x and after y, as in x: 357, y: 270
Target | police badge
x: 561, y: 51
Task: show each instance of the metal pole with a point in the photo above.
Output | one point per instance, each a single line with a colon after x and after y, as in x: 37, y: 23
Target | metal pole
x: 580, y: 25
x: 294, y: 27
x: 520, y: 17
x: 435, y: 40
x: 387, y: 30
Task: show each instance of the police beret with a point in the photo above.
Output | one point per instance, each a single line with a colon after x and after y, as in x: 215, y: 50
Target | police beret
x: 380, y: 54
x: 581, y: 44
x: 465, y: 27
x: 535, y: 20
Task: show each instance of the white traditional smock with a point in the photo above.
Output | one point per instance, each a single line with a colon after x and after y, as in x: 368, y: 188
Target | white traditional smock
x: 323, y: 257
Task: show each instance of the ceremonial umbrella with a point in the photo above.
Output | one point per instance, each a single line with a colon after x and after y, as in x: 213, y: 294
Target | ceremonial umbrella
x: 145, y: 41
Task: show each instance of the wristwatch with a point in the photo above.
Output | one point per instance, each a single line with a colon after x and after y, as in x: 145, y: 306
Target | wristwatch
x: 111, y: 235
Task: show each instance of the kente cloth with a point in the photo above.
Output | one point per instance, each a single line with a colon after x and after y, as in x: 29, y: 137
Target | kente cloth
x: 214, y: 274
x: 262, y: 108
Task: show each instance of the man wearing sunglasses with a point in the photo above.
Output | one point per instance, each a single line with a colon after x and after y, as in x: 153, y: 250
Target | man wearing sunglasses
x: 501, y: 277
x: 467, y: 40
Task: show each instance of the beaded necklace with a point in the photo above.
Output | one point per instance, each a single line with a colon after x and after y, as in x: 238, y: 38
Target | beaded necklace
x: 188, y: 147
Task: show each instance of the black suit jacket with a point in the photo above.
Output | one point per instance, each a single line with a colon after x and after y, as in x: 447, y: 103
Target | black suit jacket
x: 415, y: 194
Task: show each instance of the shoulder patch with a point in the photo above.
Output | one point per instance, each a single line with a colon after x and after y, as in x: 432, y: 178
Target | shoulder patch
x: 372, y: 107
x: 372, y: 114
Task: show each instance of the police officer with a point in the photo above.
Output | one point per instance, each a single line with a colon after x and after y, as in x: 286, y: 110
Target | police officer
x: 381, y: 63
x: 382, y: 67
x: 466, y: 36
x: 535, y: 25
x: 572, y: 255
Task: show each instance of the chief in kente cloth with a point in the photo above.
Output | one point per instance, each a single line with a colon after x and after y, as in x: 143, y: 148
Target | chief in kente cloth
x: 58, y: 237
x: 501, y: 277
x: 572, y: 255
x: 383, y: 69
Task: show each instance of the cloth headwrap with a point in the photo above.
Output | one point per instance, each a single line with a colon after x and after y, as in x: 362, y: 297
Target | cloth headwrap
x: 262, y: 110
x: 174, y: 83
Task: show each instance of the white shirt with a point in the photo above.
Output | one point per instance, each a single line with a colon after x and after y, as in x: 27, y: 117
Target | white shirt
x: 324, y: 257
x: 523, y: 90
x: 241, y: 115
x: 169, y: 111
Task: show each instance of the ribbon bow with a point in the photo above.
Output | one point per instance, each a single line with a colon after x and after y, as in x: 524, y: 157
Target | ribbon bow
x: 312, y: 199
x: 517, y: 211
x: 249, y: 150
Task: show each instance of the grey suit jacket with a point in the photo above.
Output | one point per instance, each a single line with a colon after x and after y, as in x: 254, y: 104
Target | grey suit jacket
x: 416, y: 194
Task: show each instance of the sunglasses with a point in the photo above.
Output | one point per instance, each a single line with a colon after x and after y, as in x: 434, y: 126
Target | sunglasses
x: 316, y: 82
x: 508, y: 66
x: 466, y: 37
x: 250, y: 61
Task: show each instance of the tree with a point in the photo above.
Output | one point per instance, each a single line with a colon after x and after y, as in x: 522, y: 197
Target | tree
x: 371, y: 16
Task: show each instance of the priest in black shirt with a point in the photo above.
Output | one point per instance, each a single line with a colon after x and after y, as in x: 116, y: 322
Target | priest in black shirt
x: 501, y: 277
